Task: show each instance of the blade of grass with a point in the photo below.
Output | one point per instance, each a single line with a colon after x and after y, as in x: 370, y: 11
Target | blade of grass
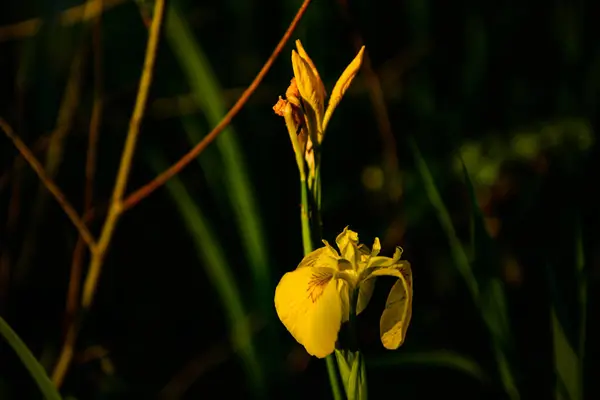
x: 212, y: 257
x: 458, y: 253
x: 208, y: 94
x: 35, y: 369
x: 580, y: 265
x: 566, y: 363
x: 489, y: 300
x: 441, y: 358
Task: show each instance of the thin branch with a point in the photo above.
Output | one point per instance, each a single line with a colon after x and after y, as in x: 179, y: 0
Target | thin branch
x: 160, y: 180
x: 50, y: 185
x: 116, y: 207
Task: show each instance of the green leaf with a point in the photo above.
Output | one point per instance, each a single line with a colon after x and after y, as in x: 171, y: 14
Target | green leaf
x: 458, y: 252
x: 212, y: 257
x: 353, y: 373
x: 487, y: 292
x: 208, y: 95
x: 566, y: 363
x: 36, y: 371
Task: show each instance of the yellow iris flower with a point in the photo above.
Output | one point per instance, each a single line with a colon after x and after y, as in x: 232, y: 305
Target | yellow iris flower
x: 314, y: 300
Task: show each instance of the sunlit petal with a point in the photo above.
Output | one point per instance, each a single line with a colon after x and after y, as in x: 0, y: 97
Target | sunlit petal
x: 347, y: 242
x: 308, y: 304
x: 376, y: 248
x: 308, y: 85
x: 320, y: 87
x: 325, y: 257
x: 342, y: 85
x: 398, y: 308
x: 379, y: 261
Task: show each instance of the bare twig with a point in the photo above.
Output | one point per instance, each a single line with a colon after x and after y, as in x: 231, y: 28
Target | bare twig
x: 49, y: 184
x: 80, y: 13
x: 53, y: 160
x: 116, y: 206
x: 160, y: 180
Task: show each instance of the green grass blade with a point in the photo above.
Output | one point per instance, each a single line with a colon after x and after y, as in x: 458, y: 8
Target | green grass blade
x: 458, y: 252
x: 442, y: 358
x: 493, y: 298
x: 212, y: 256
x: 35, y: 369
x: 580, y: 265
x: 208, y: 95
x: 566, y: 363
x: 489, y: 297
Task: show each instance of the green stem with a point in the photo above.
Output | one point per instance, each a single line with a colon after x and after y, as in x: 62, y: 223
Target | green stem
x: 333, y: 379
x: 304, y: 219
x: 33, y: 366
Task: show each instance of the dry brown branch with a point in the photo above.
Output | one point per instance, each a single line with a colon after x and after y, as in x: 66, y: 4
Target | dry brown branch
x: 49, y: 184
x: 173, y: 170
x: 116, y: 207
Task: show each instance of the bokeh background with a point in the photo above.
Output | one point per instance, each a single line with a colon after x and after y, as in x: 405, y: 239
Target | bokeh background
x: 505, y: 256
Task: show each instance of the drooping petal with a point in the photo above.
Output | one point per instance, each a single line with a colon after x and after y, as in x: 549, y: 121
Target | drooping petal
x: 342, y: 85
x: 347, y: 242
x: 309, y: 306
x: 398, y: 308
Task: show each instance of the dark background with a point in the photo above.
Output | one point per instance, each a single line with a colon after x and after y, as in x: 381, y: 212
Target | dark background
x: 511, y: 87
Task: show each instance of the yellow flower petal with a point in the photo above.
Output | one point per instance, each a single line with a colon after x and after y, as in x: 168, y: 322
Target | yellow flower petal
x: 342, y: 85
x: 325, y: 257
x: 347, y: 242
x: 309, y: 305
x: 398, y: 308
x: 344, y: 294
x: 365, y: 291
x: 376, y: 247
x: 320, y: 88
x: 309, y: 86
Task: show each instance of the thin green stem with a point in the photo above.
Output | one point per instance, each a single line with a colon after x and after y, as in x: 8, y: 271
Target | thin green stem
x: 307, y: 239
x: 333, y: 379
x: 304, y: 220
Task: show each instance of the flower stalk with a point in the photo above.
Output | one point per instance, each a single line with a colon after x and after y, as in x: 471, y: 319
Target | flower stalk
x: 331, y: 287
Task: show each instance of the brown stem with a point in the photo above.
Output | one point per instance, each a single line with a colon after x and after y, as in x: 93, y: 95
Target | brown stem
x: 173, y: 170
x: 49, y: 184
x: 116, y: 207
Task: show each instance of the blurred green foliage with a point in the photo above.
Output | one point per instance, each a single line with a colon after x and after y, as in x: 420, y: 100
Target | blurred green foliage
x: 493, y: 107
